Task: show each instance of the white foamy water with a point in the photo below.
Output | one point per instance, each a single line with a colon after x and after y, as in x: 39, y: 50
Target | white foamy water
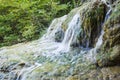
x: 70, y: 34
x: 47, y: 46
x: 25, y: 71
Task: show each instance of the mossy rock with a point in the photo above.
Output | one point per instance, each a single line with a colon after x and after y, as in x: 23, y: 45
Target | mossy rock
x: 92, y: 20
x: 109, y: 53
x: 112, y: 28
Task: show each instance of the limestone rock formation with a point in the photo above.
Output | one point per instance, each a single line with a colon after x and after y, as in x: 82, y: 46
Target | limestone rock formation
x: 83, y: 45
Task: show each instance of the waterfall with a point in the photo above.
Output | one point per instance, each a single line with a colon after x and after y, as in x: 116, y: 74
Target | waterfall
x: 53, y: 48
x: 70, y: 34
x: 100, y: 41
x: 53, y: 28
x: 93, y: 52
x: 48, y: 47
x: 69, y: 37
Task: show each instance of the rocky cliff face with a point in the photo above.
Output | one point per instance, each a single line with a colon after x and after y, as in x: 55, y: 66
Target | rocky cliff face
x: 83, y: 45
x: 110, y: 48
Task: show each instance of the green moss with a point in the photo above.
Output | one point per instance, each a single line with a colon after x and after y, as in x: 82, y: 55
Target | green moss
x: 92, y: 19
x: 111, y: 28
x: 22, y: 21
x: 82, y: 9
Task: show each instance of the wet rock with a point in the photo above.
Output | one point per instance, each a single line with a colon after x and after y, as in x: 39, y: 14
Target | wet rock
x: 92, y: 20
x: 59, y: 35
x: 73, y: 78
x: 112, y: 28
x: 22, y: 64
x: 1, y: 76
x: 110, y: 58
x: 73, y: 65
x: 110, y: 51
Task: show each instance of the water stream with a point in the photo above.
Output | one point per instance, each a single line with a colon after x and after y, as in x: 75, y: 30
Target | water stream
x: 48, y: 47
x: 56, y: 48
x: 70, y: 34
x: 93, y: 52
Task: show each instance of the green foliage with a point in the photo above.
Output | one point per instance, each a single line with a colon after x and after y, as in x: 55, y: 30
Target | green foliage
x: 72, y: 3
x: 24, y: 20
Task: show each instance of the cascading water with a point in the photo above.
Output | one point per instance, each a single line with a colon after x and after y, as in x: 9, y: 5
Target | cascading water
x: 26, y: 71
x: 92, y: 52
x: 70, y: 34
x: 53, y: 28
x: 48, y: 47
x: 55, y: 48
